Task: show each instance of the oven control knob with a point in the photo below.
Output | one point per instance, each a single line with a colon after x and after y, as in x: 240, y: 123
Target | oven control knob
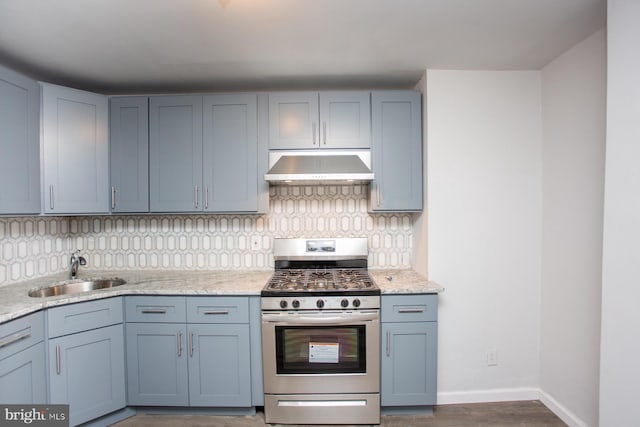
x: 344, y: 303
x: 283, y: 304
x: 320, y: 303
x: 356, y: 302
x: 295, y: 303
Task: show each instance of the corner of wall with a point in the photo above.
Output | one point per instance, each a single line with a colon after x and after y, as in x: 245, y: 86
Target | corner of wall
x: 420, y: 223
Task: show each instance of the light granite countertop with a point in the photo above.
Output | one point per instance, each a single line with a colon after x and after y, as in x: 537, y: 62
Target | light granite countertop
x: 15, y: 302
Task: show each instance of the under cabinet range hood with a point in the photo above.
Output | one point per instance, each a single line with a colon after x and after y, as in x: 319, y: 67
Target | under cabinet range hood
x: 319, y: 167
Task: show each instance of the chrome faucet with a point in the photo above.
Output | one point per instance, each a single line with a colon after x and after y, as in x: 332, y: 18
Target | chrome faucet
x: 75, y: 262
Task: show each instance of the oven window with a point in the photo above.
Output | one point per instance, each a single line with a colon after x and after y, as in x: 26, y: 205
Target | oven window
x: 320, y: 349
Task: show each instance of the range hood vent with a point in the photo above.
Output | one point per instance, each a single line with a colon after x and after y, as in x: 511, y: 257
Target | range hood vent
x: 319, y: 167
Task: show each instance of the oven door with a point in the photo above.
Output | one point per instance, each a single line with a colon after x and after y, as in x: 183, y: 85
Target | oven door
x: 321, y: 351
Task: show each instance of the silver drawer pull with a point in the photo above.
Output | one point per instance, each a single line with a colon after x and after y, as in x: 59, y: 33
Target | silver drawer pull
x: 388, y: 342
x: 215, y: 312
x: 58, y: 362
x: 154, y: 311
x: 411, y: 310
x: 14, y: 338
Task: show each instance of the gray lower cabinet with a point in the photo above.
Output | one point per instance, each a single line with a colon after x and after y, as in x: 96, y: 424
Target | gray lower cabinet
x: 129, y: 153
x: 157, y: 364
x: 396, y: 151
x: 409, y: 350
x: 191, y: 351
x: 19, y: 144
x: 86, y: 358
x: 219, y: 365
x: 22, y: 365
x: 75, y: 149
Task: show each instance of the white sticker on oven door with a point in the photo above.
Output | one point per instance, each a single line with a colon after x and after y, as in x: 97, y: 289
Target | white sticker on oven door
x: 324, y: 352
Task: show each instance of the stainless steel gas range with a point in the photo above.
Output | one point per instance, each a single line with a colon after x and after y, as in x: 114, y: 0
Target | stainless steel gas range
x: 321, y: 334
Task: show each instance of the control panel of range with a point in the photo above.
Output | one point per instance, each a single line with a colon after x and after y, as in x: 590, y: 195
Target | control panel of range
x: 358, y: 302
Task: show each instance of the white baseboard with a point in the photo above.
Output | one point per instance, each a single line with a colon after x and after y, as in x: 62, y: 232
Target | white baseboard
x: 493, y: 395
x: 563, y: 413
x: 512, y: 394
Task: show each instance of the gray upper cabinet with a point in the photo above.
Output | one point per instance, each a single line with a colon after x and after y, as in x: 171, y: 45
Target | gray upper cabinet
x: 308, y: 120
x: 396, y: 151
x: 129, y: 153
x: 75, y: 151
x: 203, y: 153
x: 345, y: 120
x: 230, y: 153
x: 19, y: 144
x: 175, y: 153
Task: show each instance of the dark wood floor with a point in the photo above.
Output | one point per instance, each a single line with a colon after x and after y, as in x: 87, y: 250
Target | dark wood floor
x: 503, y: 414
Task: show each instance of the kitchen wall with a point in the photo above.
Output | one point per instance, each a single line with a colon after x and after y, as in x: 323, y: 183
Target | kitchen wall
x: 620, y: 342
x: 33, y: 247
x: 421, y: 223
x: 573, y: 142
x: 484, y: 204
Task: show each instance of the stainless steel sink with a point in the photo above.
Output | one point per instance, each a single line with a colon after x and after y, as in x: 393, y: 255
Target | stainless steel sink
x: 76, y: 286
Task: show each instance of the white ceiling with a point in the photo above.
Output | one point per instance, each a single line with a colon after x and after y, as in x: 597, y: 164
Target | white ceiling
x: 157, y: 45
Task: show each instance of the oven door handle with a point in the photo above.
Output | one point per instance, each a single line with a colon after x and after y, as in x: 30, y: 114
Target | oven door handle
x: 352, y: 317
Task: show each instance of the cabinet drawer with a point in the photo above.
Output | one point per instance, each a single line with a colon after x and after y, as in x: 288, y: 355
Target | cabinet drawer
x: 152, y: 309
x: 84, y: 316
x: 21, y: 333
x: 217, y: 310
x: 409, y: 308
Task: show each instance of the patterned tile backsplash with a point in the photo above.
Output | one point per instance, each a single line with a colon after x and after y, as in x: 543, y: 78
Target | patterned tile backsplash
x: 31, y: 247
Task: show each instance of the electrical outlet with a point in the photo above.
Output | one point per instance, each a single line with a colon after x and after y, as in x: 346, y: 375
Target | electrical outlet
x: 255, y: 243
x: 492, y: 357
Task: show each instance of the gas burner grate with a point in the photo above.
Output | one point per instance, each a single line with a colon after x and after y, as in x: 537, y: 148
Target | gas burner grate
x: 320, y: 280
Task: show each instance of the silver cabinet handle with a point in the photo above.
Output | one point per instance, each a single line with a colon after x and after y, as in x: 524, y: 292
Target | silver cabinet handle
x: 113, y: 197
x: 388, y: 342
x: 190, y: 343
x: 195, y: 195
x: 313, y: 132
x: 179, y: 335
x: 58, y: 363
x: 51, y: 196
x: 14, y: 338
x: 154, y: 311
x: 206, y: 197
x: 411, y: 310
x: 213, y: 312
x: 378, y: 191
x: 324, y: 133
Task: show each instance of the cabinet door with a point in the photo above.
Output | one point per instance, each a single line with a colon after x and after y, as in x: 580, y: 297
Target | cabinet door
x: 129, y: 153
x: 175, y: 153
x: 230, y: 153
x: 408, y: 364
x: 396, y: 151
x: 22, y: 377
x: 19, y: 144
x: 157, y: 364
x: 75, y: 150
x: 345, y: 120
x: 219, y: 365
x: 86, y: 371
x: 293, y: 120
